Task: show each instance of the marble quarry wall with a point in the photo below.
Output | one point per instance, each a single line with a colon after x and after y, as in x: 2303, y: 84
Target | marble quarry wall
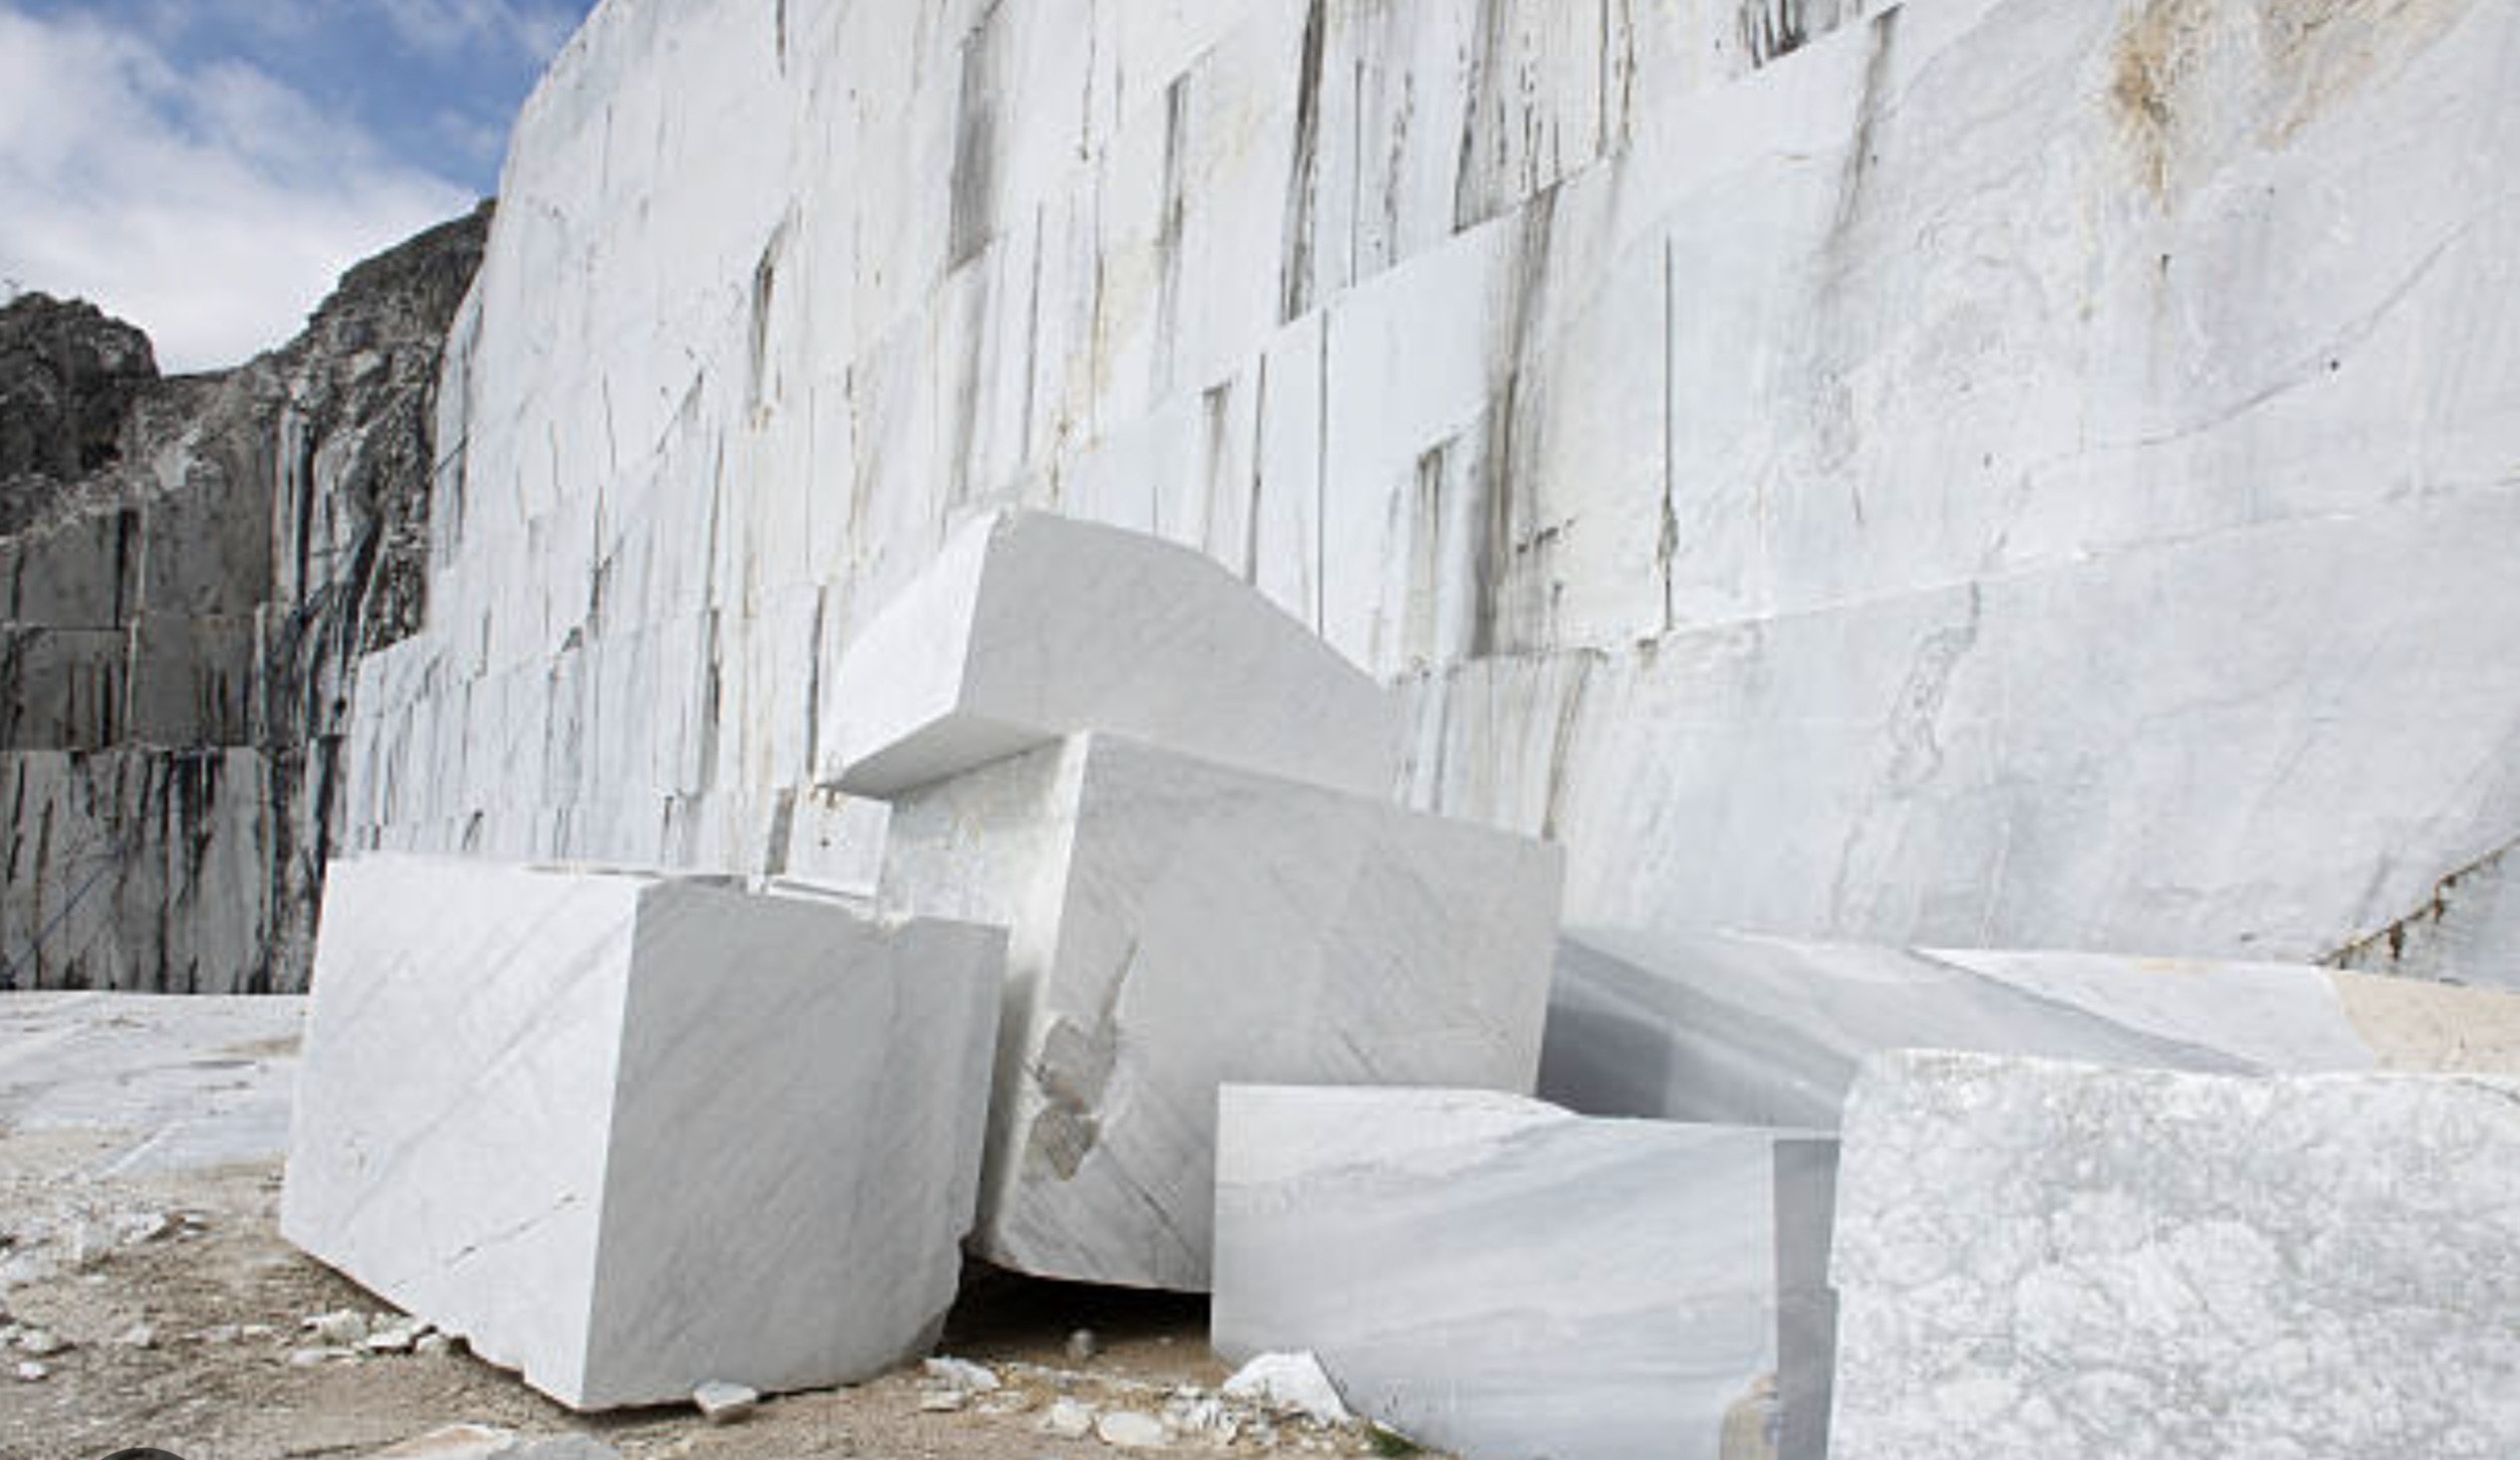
x: 1970, y: 472
x: 189, y: 569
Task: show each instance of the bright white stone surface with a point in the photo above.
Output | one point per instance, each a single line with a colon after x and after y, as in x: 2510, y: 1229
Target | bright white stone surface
x: 193, y: 1080
x: 1717, y: 1025
x: 633, y: 1135
x: 1495, y: 1277
x: 1289, y: 1381
x: 2011, y: 473
x: 1029, y: 626
x: 2092, y: 1264
x: 1177, y: 925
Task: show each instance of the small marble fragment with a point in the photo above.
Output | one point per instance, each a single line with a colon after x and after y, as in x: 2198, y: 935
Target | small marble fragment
x: 1290, y: 1381
x: 1127, y: 1430
x: 721, y: 1402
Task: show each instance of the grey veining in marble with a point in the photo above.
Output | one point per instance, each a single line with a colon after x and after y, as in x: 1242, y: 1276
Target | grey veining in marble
x: 1029, y: 626
x: 1177, y: 924
x: 2011, y: 473
x: 1495, y: 1277
x: 629, y: 1134
x: 2081, y: 1263
x: 1718, y: 1026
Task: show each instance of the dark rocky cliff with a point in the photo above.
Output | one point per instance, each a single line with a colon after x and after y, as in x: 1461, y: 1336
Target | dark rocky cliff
x: 191, y: 569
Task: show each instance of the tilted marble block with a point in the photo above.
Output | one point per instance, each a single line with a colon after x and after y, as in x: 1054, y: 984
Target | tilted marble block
x: 1717, y: 1025
x: 631, y: 1135
x: 1030, y: 627
x: 1177, y: 924
x: 1498, y: 1278
x: 2082, y: 1263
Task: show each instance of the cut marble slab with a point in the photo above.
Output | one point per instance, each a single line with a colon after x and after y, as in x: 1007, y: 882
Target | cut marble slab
x: 2082, y: 1263
x: 1177, y: 924
x: 1029, y: 626
x: 630, y: 1134
x: 1720, y: 1026
x: 1501, y: 1279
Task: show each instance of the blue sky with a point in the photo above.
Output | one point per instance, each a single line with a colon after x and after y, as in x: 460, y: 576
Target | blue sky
x: 206, y: 168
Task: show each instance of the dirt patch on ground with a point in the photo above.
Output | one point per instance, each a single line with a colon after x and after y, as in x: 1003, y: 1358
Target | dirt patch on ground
x: 196, y: 1261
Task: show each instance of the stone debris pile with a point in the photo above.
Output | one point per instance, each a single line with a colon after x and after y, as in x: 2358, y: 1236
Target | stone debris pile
x: 1158, y: 986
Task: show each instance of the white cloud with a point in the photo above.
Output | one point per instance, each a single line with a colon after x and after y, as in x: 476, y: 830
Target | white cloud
x: 212, y: 205
x: 524, y: 29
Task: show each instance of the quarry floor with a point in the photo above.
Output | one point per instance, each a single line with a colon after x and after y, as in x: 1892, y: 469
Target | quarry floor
x: 95, y: 1246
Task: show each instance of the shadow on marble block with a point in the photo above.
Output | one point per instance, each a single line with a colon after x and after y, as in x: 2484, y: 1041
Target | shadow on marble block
x: 1500, y: 1278
x: 1722, y: 1026
x: 1177, y: 924
x: 2083, y: 1263
x: 1029, y: 626
x: 628, y: 1133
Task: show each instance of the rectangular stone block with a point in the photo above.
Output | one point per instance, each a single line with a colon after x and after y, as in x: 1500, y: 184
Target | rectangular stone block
x: 1030, y: 627
x: 62, y: 688
x: 75, y: 572
x: 1495, y: 1277
x: 1177, y: 925
x: 629, y: 1134
x: 2080, y: 1263
x: 193, y: 681
x: 1717, y: 1025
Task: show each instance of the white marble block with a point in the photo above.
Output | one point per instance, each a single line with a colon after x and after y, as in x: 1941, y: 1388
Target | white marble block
x: 1719, y: 1025
x: 1029, y: 626
x: 1177, y: 925
x: 2081, y: 1263
x: 630, y: 1134
x: 1495, y: 1277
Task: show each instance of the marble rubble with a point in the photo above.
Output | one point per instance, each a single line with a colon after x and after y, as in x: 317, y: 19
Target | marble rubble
x: 1974, y: 472
x: 1496, y: 1276
x: 1029, y: 626
x: 2048, y: 1259
x: 1721, y: 1026
x: 631, y: 1135
x: 1175, y: 925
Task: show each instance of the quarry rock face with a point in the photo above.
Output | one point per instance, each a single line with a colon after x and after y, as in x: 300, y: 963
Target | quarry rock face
x: 69, y: 376
x: 1907, y: 480
x: 1974, y: 472
x: 2048, y: 1259
x: 633, y: 1135
x: 192, y: 567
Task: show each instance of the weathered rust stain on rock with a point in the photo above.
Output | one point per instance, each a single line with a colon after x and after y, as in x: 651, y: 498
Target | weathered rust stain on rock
x: 2194, y: 83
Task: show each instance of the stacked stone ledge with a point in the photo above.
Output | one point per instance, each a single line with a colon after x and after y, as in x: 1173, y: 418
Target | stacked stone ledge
x: 1158, y: 783
x: 631, y: 1132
